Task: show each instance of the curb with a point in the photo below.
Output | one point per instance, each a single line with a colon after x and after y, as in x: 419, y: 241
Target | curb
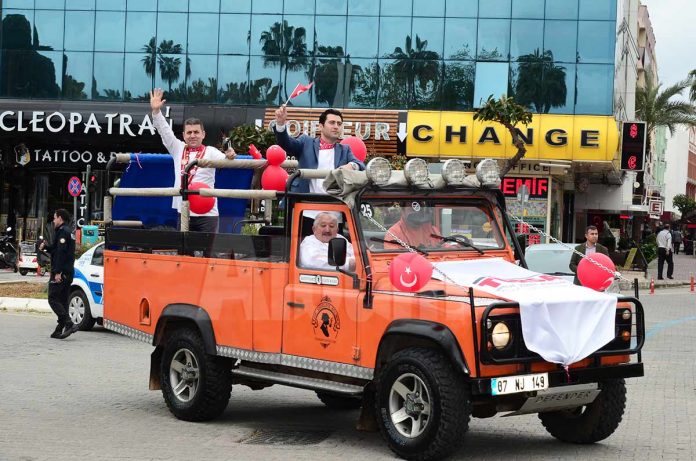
x: 25, y: 305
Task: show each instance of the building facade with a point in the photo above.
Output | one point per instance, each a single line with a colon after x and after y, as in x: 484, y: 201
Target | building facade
x: 75, y: 77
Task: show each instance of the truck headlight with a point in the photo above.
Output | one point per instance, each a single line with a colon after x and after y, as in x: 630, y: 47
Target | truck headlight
x: 453, y: 172
x: 416, y: 171
x: 378, y: 171
x: 488, y: 173
x: 500, y: 336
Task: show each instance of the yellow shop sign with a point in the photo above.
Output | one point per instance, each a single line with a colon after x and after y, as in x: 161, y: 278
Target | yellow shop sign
x: 548, y: 137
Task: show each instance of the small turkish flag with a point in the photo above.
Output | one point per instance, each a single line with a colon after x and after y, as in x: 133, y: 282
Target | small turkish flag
x: 255, y: 152
x: 410, y: 272
x: 299, y: 89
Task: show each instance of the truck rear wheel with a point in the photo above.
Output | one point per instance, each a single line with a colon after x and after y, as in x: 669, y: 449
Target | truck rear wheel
x: 423, y: 405
x: 590, y: 423
x: 339, y: 402
x: 195, y: 385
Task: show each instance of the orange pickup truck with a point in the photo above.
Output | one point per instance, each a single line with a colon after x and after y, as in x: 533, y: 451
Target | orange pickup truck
x: 225, y: 309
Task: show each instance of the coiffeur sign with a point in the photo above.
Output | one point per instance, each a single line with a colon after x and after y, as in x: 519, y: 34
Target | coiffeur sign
x: 565, y: 137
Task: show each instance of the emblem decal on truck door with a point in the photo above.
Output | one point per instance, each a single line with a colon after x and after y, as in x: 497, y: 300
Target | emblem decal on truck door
x: 326, y: 322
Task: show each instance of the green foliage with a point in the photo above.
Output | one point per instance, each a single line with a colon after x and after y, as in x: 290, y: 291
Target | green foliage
x: 243, y: 135
x: 81, y: 249
x: 658, y: 108
x: 624, y: 243
x: 649, y: 247
x: 684, y: 204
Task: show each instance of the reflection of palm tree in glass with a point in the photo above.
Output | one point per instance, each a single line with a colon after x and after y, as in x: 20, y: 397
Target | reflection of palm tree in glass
x: 334, y: 78
x: 416, y: 63
x: 540, y: 82
x: 287, y: 45
x: 150, y: 59
x: 160, y: 57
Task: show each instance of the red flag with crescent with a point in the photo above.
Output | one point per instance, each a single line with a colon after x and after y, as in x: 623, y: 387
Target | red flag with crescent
x: 299, y: 89
x: 410, y: 272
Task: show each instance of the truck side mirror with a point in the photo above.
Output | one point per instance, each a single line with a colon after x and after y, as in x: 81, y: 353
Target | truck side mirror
x: 338, y: 248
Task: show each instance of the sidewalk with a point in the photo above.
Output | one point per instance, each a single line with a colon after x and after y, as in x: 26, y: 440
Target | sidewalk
x: 684, y: 266
x: 25, y: 305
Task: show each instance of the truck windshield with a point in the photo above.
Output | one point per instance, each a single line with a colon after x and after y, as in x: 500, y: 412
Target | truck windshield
x: 429, y: 225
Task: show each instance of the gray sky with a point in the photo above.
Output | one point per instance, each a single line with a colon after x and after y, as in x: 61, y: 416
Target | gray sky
x: 675, y: 34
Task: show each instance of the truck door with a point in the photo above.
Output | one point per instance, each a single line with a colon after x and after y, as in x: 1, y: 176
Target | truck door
x: 320, y: 310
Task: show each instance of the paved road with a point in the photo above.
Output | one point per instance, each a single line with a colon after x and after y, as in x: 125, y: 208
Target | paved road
x: 7, y: 276
x: 87, y: 398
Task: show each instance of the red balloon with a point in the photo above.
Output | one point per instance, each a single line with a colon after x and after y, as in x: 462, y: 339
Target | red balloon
x: 275, y: 155
x: 357, y: 146
x: 595, y: 277
x: 410, y: 272
x: 200, y: 205
x: 274, y: 178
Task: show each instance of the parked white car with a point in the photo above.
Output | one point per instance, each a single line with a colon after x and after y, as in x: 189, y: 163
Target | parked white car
x: 86, y: 305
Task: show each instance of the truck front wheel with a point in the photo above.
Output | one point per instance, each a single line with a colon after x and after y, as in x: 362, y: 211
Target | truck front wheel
x: 195, y: 385
x: 423, y: 405
x: 590, y: 423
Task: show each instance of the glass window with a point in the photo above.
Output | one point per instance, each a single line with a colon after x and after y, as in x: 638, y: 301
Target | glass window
x: 118, y: 5
x: 235, y: 6
x: 491, y: 80
x: 98, y: 256
x: 234, y: 31
x: 203, y: 33
x: 327, y: 73
x: 560, y: 38
x: 111, y: 31
x: 142, y: 5
x: 79, y: 4
x: 558, y: 79
x: 171, y: 27
x: 17, y: 27
x: 138, y: 81
x: 202, y: 84
x: 392, y: 34
x: 267, y: 6
x: 333, y: 7
x: 49, y: 30
x: 79, y: 30
x: 458, y: 87
x: 424, y: 77
x: 30, y: 73
x: 528, y: 9
x: 299, y: 7
x: 596, y: 41
x: 77, y: 75
x: 493, y: 40
x: 170, y: 75
x: 266, y: 35
x: 392, y: 86
x: 48, y: 4
x: 204, y: 6
x: 365, y: 7
x: 543, y: 86
x: 526, y: 38
x: 233, y: 84
x: 396, y: 8
x: 264, y: 80
x: 173, y: 5
x: 595, y: 89
x: 462, y: 8
x: 430, y: 30
x: 301, y: 33
x: 140, y: 28
x: 460, y: 38
x: 494, y: 8
x: 360, y: 27
x: 598, y: 9
x: 429, y: 8
x: 330, y: 32
x: 108, y: 76
x: 562, y: 9
x: 364, y: 84
x: 18, y: 4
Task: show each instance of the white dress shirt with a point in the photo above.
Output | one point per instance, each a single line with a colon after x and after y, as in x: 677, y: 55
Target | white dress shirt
x: 664, y: 240
x: 176, y: 147
x: 314, y: 254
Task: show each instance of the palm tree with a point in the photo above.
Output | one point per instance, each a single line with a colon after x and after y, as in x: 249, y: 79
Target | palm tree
x: 657, y: 108
x: 169, y: 65
x: 540, y: 83
x: 286, y: 45
x: 416, y: 63
x: 150, y: 59
x: 692, y: 89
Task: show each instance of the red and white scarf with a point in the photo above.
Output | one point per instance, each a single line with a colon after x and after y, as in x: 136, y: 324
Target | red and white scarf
x: 185, y: 155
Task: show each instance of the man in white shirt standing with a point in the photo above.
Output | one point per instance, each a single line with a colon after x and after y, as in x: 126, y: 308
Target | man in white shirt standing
x: 314, y: 249
x: 183, y: 153
x: 664, y: 252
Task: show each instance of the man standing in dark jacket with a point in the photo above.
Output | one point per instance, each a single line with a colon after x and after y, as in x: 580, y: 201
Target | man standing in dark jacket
x: 62, y: 252
x: 589, y: 247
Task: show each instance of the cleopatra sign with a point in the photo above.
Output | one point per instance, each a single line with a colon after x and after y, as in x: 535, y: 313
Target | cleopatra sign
x: 564, y: 137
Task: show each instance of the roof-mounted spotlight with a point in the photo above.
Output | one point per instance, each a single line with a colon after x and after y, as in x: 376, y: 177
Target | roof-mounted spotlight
x: 416, y: 171
x: 454, y: 172
x: 378, y: 171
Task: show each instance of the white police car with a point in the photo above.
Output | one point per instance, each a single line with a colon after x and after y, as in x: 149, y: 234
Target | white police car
x: 86, y: 306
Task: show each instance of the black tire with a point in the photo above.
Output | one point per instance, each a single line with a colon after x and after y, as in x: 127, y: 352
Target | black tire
x: 23, y: 271
x: 208, y: 393
x: 593, y: 422
x: 78, y: 301
x: 447, y: 395
x: 339, y: 402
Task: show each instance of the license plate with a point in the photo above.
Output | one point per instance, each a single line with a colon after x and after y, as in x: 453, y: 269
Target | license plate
x: 521, y: 383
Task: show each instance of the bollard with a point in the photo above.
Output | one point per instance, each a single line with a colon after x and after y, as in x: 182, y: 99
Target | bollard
x: 652, y: 285
x: 692, y: 282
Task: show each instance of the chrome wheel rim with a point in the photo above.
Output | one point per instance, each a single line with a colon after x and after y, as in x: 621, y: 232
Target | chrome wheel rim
x: 76, y: 310
x: 409, y: 405
x: 184, y: 375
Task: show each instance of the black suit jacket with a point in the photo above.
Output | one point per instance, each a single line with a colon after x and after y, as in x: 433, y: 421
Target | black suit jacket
x: 575, y: 260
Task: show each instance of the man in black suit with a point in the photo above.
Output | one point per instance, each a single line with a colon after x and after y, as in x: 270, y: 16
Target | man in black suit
x: 589, y: 247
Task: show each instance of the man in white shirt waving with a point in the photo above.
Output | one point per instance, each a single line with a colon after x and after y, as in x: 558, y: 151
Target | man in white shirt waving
x: 664, y: 252
x: 314, y: 249
x: 183, y: 153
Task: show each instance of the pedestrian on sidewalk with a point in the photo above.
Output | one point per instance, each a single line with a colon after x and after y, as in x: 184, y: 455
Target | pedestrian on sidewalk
x: 664, y: 252
x: 62, y: 252
x: 589, y: 247
x: 677, y: 239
